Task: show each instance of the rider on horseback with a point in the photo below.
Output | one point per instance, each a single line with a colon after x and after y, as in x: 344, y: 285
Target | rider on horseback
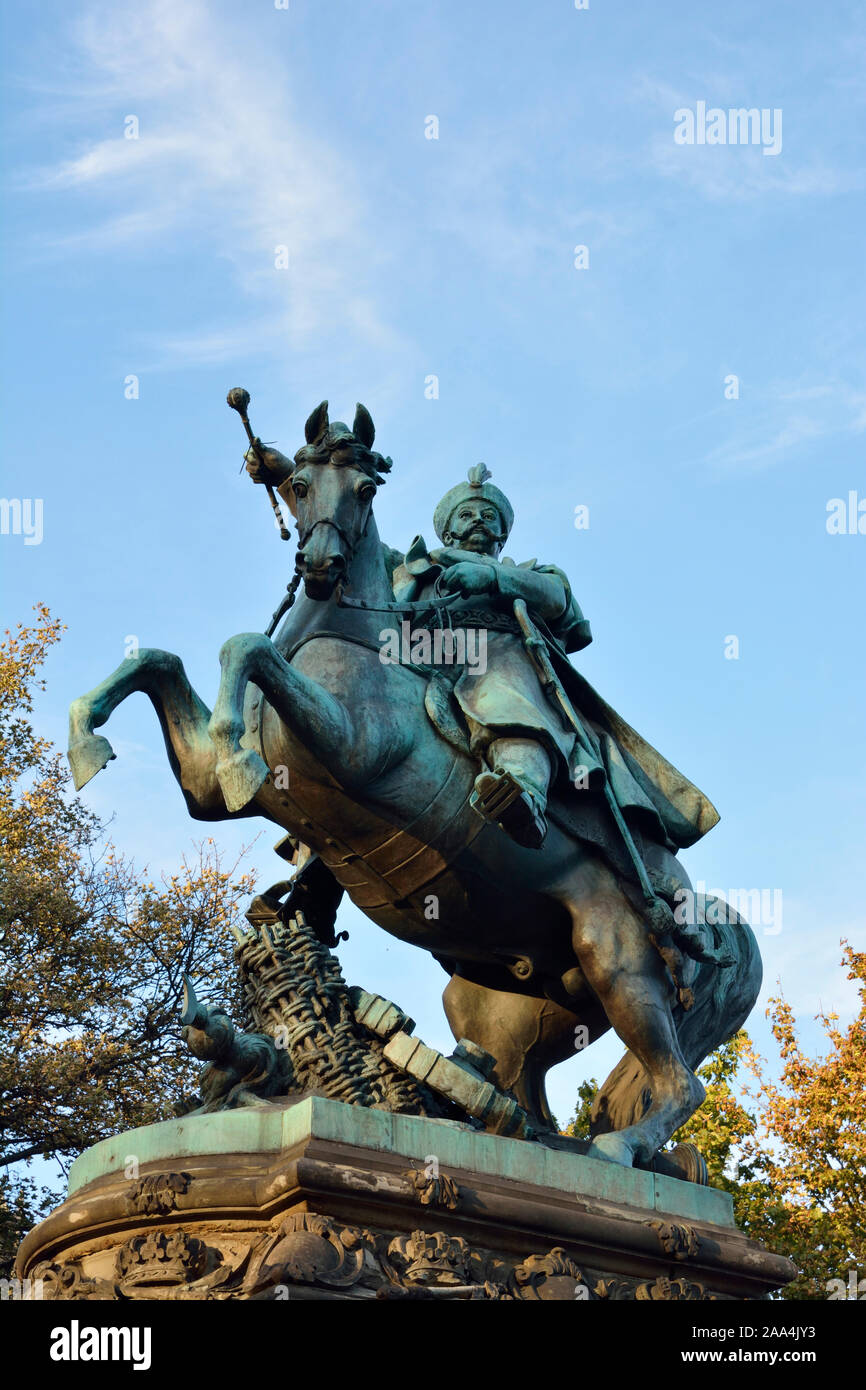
x: 356, y: 759
x: 514, y: 730
x: 516, y: 710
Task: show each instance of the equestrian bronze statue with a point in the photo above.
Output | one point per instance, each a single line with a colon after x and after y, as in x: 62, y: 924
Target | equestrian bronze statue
x: 414, y: 723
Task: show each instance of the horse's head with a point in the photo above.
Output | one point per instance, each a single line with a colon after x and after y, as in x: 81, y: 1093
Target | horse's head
x: 330, y: 493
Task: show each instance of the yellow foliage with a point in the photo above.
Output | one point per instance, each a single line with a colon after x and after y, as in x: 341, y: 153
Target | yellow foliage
x: 91, y: 956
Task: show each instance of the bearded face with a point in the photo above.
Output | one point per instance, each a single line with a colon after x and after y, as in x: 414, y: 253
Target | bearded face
x: 476, y: 526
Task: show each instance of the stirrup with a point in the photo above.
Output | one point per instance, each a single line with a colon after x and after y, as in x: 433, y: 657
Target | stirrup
x: 499, y: 797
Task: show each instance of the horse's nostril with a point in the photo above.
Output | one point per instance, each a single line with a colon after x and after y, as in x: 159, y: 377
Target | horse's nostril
x: 332, y: 565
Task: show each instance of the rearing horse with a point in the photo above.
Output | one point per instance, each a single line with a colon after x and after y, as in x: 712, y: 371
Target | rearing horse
x: 313, y: 731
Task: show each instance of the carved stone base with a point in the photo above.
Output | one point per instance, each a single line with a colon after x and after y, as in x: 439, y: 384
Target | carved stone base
x: 318, y: 1199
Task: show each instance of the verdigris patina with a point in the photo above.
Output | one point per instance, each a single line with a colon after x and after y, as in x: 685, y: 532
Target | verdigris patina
x: 505, y: 819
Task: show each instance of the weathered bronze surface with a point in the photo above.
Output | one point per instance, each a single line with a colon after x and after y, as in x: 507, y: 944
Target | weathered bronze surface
x: 335, y: 1214
x: 498, y: 814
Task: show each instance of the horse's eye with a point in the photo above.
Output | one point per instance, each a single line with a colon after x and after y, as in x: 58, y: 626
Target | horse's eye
x: 299, y: 489
x: 366, y: 492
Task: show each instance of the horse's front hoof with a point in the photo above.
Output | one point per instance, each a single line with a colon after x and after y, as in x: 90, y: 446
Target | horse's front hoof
x: 87, y: 756
x: 240, y: 778
x: 611, y: 1149
x: 685, y: 1162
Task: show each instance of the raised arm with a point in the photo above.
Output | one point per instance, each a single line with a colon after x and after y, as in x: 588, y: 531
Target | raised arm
x: 273, y: 467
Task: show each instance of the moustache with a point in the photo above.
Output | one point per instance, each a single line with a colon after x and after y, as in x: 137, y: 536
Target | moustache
x: 479, y: 528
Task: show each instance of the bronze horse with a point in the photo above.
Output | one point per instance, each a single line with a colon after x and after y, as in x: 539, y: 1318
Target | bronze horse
x: 314, y: 732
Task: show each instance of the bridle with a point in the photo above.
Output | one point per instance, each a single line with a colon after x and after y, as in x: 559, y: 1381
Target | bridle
x: 351, y: 545
x: 293, y: 586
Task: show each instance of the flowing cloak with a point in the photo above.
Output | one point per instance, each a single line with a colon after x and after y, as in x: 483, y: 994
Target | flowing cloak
x: 506, y: 699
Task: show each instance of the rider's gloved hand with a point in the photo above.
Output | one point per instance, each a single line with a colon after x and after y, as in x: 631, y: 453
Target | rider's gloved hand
x: 272, y: 467
x: 467, y: 578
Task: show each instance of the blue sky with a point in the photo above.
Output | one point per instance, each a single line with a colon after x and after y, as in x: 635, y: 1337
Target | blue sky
x: 412, y: 257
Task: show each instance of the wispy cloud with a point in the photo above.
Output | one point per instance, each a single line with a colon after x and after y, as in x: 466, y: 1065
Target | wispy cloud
x: 735, y: 172
x: 110, y: 159
x: 812, y: 982
x: 788, y: 415
x: 756, y: 450
x: 222, y: 160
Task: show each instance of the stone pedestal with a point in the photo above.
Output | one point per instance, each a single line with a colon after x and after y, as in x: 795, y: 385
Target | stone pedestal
x: 316, y: 1199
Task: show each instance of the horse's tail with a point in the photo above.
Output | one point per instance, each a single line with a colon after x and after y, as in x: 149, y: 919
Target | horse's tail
x: 723, y: 999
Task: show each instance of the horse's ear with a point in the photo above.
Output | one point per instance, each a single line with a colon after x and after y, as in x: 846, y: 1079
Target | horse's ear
x: 363, y: 427
x: 317, y: 423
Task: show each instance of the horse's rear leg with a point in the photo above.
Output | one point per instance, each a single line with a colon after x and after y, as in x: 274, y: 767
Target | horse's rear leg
x: 182, y: 716
x: 526, y: 1035
x: 631, y: 982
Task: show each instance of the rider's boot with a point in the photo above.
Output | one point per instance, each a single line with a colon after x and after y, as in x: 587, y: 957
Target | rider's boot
x: 514, y: 794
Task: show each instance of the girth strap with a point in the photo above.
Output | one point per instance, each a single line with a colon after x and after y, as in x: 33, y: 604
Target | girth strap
x: 404, y: 861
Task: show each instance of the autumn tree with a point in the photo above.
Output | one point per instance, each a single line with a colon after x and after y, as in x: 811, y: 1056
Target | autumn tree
x: 92, y: 955
x: 807, y: 1157
x: 792, y: 1151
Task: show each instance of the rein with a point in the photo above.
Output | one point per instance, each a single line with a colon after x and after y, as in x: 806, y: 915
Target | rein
x: 285, y: 604
x: 292, y: 588
x: 418, y: 606
x: 413, y: 606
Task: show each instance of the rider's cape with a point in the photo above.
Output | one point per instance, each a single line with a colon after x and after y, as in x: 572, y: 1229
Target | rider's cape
x: 508, y: 700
